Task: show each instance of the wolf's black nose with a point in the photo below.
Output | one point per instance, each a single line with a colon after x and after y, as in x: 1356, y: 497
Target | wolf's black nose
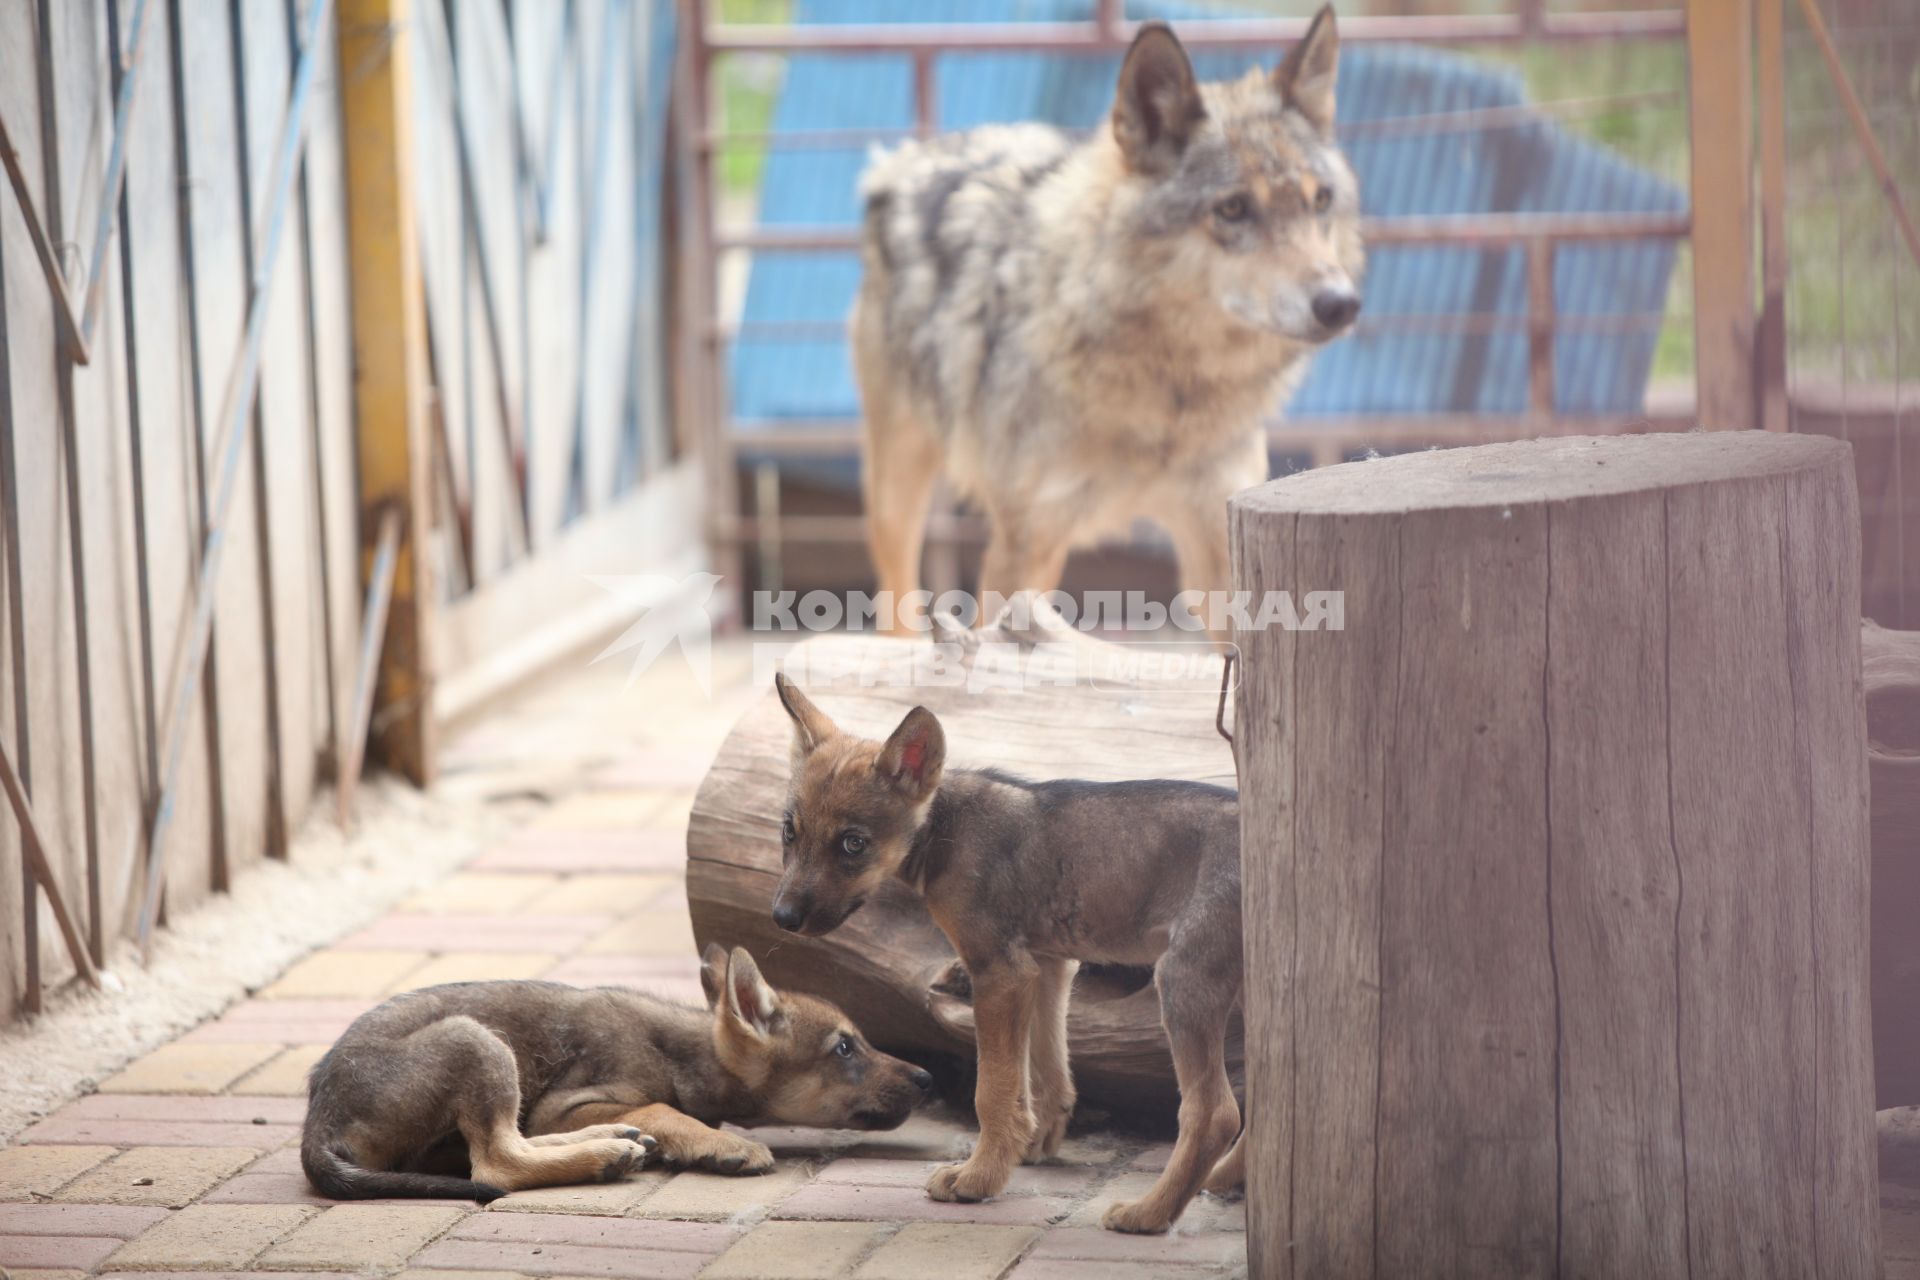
x: 1336, y: 308
x: 787, y: 915
x: 922, y: 1080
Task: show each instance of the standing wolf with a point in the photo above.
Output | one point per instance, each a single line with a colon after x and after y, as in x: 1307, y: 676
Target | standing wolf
x: 1088, y: 331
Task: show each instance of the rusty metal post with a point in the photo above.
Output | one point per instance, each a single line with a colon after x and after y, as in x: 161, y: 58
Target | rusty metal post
x: 1771, y: 348
x: 1720, y: 79
x: 390, y: 363
x: 1540, y: 325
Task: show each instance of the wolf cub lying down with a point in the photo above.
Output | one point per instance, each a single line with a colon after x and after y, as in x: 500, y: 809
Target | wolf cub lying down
x: 475, y: 1089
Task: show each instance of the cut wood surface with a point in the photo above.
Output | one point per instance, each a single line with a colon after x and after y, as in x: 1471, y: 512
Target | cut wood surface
x: 1556, y: 865
x: 1891, y: 665
x: 882, y: 966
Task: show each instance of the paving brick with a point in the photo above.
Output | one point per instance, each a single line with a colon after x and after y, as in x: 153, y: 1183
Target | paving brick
x: 282, y: 1077
x: 651, y: 932
x: 612, y: 1233
x: 479, y: 966
x: 793, y: 1142
x: 927, y: 1135
x: 413, y: 1273
x: 344, y: 973
x: 137, y: 1106
x: 161, y: 1133
x: 55, y: 1253
x: 848, y: 1202
x: 168, y: 1176
x: 1080, y: 1269
x: 663, y: 768
x: 573, y: 852
x: 268, y: 1187
x: 603, y: 809
x: 27, y: 1173
x: 189, y: 1068
x: 284, y: 1021
x: 1154, y: 1158
x: 707, y: 1197
x: 478, y: 932
x: 952, y: 1251
x: 608, y: 1200
x: 606, y: 892
x: 43, y: 1273
x: 212, y: 1236
x: 1092, y: 1244
x: 122, y: 1222
x: 478, y: 893
x: 644, y: 972
x: 1043, y: 1179
x: 361, y: 1237
x: 795, y: 1251
x: 673, y: 815
x: 625, y: 1263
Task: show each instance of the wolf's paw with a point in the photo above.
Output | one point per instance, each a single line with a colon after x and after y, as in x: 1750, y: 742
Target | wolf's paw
x: 1134, y: 1218
x: 1049, y: 1133
x: 966, y: 1183
x: 621, y: 1156
x: 738, y: 1157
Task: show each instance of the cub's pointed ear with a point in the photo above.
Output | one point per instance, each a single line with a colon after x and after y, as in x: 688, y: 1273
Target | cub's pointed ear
x: 810, y: 724
x: 1305, y: 77
x: 748, y: 1000
x: 914, y: 757
x: 1158, y: 103
x: 713, y: 972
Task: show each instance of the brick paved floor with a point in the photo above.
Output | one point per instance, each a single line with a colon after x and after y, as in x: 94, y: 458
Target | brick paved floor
x: 185, y: 1162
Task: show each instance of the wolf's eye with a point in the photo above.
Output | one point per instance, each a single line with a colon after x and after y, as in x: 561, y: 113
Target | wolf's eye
x: 853, y: 844
x: 1234, y: 208
x: 843, y: 1047
x: 1323, y: 200
x: 788, y: 832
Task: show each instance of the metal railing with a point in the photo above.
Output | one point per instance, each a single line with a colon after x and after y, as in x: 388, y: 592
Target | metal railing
x: 1324, y: 439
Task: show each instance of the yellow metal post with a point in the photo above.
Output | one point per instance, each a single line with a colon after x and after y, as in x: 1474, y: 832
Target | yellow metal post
x: 390, y: 363
x: 1720, y: 89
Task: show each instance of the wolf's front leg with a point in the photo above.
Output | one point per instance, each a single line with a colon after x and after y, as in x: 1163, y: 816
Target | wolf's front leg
x: 1049, y: 1078
x: 1003, y: 998
x: 688, y: 1143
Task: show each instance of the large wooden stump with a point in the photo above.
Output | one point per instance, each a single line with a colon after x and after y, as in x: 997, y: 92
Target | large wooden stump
x: 1556, y: 865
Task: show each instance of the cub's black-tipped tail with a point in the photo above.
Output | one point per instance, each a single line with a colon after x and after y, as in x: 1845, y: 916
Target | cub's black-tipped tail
x: 333, y: 1173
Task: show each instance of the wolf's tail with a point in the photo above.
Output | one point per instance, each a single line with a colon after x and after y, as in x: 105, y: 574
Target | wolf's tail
x: 333, y: 1172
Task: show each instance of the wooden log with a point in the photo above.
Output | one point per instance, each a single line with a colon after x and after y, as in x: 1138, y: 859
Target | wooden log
x: 889, y: 966
x: 1556, y: 865
x: 1890, y: 662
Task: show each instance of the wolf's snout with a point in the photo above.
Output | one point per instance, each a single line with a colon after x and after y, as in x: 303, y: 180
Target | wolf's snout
x: 788, y: 914
x: 922, y: 1080
x: 1336, y: 308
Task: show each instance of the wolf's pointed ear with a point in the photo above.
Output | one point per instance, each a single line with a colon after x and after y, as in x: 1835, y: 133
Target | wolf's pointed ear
x: 915, y: 756
x: 1158, y: 103
x: 713, y: 972
x: 810, y: 724
x: 747, y: 998
x: 1305, y: 77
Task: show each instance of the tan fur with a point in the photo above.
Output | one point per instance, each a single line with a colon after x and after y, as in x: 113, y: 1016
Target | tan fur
x: 1073, y: 332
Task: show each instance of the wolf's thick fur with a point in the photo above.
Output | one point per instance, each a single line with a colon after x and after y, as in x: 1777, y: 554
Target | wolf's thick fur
x: 476, y: 1089
x: 1084, y: 332
x: 1028, y: 879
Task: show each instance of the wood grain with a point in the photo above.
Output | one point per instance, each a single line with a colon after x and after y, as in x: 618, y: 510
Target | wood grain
x: 1603, y: 697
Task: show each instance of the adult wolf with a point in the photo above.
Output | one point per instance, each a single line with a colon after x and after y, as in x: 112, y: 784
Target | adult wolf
x: 1081, y: 332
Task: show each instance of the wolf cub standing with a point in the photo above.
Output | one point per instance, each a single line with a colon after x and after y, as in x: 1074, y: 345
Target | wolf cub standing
x: 1027, y: 879
x: 1084, y: 332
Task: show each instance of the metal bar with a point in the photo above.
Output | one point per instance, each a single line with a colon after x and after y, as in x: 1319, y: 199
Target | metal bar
x: 126, y: 77
x: 76, y: 519
x: 1492, y: 230
x: 218, y: 872
x: 1862, y: 128
x: 236, y: 407
x: 136, y: 451
x: 43, y: 249
x: 390, y: 363
x: 41, y: 866
x: 373, y: 629
x: 318, y: 454
x: 1720, y: 80
x: 926, y: 109
x: 1200, y: 33
x: 1771, y: 338
x: 17, y: 645
x: 1540, y: 326
x: 1469, y: 323
x: 276, y: 795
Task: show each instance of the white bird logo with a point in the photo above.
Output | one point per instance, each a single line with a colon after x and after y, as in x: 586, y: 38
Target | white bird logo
x: 676, y: 612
